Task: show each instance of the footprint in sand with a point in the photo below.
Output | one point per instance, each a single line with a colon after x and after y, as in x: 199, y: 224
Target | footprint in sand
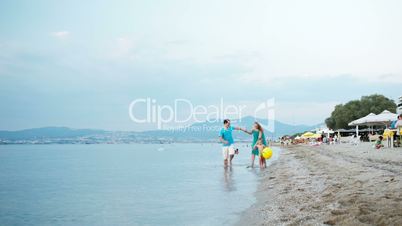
x: 339, y: 212
x: 330, y: 222
x: 325, y: 195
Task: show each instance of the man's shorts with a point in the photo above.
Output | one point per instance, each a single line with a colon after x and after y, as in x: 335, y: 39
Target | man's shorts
x: 227, y: 151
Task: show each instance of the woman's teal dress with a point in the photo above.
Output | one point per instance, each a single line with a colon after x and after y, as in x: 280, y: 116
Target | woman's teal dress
x: 255, y: 139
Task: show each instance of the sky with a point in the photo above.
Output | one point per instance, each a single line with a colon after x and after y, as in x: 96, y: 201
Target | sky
x: 81, y: 63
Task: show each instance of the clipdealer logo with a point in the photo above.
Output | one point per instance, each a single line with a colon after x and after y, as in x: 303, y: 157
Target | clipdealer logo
x: 183, y: 111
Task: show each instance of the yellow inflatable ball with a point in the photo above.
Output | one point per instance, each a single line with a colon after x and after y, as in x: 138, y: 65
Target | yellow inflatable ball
x: 267, y: 153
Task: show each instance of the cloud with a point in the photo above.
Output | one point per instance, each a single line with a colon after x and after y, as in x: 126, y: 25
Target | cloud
x: 293, y: 112
x: 123, y: 47
x: 304, y: 112
x: 271, y: 69
x: 60, y: 34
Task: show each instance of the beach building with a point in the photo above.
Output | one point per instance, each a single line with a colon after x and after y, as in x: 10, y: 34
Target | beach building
x: 324, y: 130
x: 399, y: 105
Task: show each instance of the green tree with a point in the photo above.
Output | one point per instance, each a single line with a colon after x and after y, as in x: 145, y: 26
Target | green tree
x: 343, y: 114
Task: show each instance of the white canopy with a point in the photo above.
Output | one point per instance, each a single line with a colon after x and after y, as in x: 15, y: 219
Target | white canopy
x: 324, y: 130
x: 384, y: 117
x: 363, y: 121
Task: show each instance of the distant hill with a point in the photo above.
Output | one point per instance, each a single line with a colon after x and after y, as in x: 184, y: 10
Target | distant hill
x: 195, y: 132
x: 48, y: 132
x: 207, y: 130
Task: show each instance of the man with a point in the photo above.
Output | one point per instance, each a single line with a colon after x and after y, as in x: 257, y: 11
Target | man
x: 398, y: 122
x: 226, y: 138
x: 393, y: 124
x: 398, y: 125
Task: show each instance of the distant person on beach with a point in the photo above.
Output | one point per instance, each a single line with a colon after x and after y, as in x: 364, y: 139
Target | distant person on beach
x: 226, y: 138
x: 398, y: 123
x: 259, y: 142
x: 282, y: 142
x: 378, y: 143
x: 398, y: 126
x: 394, y: 123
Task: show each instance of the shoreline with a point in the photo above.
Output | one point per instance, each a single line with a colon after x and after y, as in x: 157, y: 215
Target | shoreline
x: 329, y: 185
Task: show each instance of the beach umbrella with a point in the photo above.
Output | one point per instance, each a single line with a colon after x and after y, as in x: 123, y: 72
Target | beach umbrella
x: 307, y: 135
x: 317, y: 135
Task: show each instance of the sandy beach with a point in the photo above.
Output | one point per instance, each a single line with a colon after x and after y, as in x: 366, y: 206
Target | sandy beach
x: 330, y: 185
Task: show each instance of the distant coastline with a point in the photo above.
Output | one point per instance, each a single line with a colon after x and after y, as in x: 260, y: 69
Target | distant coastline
x: 80, y: 142
x: 65, y: 135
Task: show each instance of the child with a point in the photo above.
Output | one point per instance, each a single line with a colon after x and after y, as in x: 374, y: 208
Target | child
x: 260, y: 146
x: 378, y: 143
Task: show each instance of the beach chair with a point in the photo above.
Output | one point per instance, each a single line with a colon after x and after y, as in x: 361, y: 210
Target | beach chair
x: 373, y: 137
x: 387, y: 135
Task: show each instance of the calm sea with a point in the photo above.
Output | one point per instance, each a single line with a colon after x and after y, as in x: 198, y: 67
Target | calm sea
x: 130, y: 184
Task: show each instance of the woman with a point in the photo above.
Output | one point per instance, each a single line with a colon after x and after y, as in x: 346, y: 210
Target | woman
x: 258, y: 143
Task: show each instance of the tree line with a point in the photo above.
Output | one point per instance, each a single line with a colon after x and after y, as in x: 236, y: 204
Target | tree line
x: 345, y: 113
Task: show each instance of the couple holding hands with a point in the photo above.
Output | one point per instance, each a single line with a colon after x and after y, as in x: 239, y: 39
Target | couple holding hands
x: 228, y: 150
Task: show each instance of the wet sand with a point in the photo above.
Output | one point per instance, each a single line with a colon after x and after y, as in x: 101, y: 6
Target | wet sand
x: 330, y: 185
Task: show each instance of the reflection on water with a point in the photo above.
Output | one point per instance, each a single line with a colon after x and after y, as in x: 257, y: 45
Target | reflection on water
x: 229, y: 182
x: 255, y: 171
